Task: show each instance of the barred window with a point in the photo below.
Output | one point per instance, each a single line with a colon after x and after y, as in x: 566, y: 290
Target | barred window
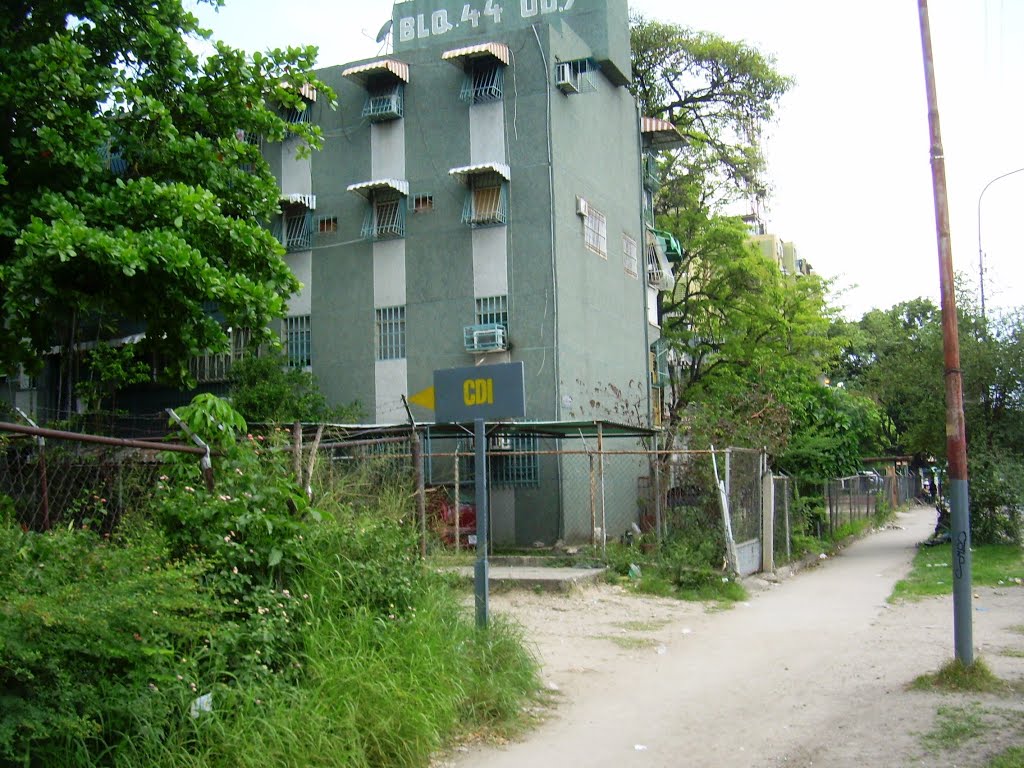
x: 390, y: 333
x: 629, y: 256
x: 492, y: 310
x: 297, y: 339
x: 595, y: 228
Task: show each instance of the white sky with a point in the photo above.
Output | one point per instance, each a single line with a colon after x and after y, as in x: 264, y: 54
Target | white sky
x: 849, y: 153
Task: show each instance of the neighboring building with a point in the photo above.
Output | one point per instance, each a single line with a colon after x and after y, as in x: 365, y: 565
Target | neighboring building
x: 775, y: 249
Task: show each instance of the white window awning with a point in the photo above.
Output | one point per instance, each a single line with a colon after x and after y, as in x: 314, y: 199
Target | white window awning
x: 368, y: 188
x: 466, y: 172
x: 307, y: 91
x: 84, y: 346
x: 297, y: 199
x: 660, y: 134
x: 390, y: 67
x: 496, y: 51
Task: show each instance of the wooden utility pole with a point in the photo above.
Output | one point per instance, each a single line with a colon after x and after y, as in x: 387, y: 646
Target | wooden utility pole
x: 956, y: 436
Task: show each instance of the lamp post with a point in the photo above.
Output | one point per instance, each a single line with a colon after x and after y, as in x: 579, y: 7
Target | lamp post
x: 981, y: 256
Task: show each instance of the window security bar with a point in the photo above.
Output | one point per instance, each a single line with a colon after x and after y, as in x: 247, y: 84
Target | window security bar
x: 484, y: 83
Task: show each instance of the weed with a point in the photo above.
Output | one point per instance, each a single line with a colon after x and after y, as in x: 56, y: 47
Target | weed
x: 628, y: 642
x: 1014, y: 653
x: 953, y: 726
x: 955, y: 676
x: 992, y: 565
x: 1011, y: 758
x: 641, y: 626
x: 1017, y: 628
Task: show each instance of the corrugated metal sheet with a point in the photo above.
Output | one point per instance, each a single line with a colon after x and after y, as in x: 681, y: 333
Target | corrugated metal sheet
x: 307, y: 200
x: 397, y: 68
x: 308, y: 92
x: 366, y: 188
x: 660, y: 134
x: 465, y: 172
x: 498, y: 51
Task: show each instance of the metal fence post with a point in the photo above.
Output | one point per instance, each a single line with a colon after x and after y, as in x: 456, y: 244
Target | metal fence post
x: 421, y: 502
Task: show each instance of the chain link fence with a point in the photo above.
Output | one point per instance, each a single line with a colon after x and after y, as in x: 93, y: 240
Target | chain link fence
x: 544, y: 491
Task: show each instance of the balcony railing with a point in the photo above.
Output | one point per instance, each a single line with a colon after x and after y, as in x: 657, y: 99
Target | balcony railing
x: 483, y: 84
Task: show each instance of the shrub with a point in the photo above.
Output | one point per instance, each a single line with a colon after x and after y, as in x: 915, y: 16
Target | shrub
x: 93, y: 634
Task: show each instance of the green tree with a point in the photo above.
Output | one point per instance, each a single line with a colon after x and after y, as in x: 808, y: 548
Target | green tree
x: 265, y: 389
x: 719, y: 94
x: 128, y: 189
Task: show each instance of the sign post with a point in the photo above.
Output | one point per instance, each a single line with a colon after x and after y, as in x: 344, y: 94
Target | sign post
x: 476, y: 394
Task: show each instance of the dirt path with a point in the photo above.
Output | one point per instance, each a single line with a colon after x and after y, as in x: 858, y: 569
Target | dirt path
x: 809, y: 672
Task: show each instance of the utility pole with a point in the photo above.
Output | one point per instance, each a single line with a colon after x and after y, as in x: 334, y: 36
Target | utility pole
x: 956, y: 437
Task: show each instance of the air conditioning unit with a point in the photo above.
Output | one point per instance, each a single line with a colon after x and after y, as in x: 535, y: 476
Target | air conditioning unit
x: 582, y: 208
x: 481, y: 339
x: 566, y: 79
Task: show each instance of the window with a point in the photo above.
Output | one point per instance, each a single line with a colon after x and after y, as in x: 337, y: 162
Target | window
x: 492, y: 310
x: 595, y: 229
x: 327, y: 225
x: 659, y: 364
x: 490, y: 333
x: 512, y: 459
x: 385, y: 219
x: 576, y: 76
x: 297, y: 340
x: 211, y: 367
x: 487, y: 197
x: 629, y: 256
x: 390, y: 333
x: 296, y: 115
x: 423, y: 204
x: 485, y: 81
x: 486, y: 204
x: 295, y: 228
x: 385, y: 102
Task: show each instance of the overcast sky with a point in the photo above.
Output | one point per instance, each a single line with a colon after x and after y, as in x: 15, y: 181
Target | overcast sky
x: 849, y: 153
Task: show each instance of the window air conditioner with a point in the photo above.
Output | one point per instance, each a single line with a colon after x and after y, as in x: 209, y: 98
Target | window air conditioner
x: 582, y: 208
x: 566, y: 80
x: 501, y: 443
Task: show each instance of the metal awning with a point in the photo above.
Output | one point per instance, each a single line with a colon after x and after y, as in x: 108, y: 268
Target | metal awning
x: 307, y: 91
x: 496, y: 51
x: 367, y: 188
x: 391, y: 67
x: 307, y: 200
x: 660, y: 134
x: 466, y: 172
x: 567, y: 430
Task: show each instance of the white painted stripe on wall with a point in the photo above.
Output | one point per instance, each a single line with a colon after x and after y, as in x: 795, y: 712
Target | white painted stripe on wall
x: 487, y: 133
x: 301, y: 265
x: 390, y: 383
x: 490, y: 244
x: 389, y: 273
x: 490, y: 261
x: 391, y: 377
x: 296, y: 176
x: 387, y: 150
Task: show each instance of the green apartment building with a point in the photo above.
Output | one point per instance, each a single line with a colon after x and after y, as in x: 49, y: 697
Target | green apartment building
x: 481, y: 198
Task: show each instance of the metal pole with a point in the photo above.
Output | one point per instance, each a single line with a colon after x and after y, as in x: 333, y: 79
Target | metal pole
x: 480, y: 570
x: 657, y: 495
x: 956, y: 438
x: 421, y: 496
x: 981, y: 255
x: 600, y: 471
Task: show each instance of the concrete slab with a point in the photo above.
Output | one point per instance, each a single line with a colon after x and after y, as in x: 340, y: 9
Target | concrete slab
x: 501, y: 577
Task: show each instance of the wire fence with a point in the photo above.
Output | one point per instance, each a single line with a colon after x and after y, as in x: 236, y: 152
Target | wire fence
x: 543, y: 491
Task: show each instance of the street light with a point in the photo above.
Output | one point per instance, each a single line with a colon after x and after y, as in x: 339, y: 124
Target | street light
x: 981, y: 257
